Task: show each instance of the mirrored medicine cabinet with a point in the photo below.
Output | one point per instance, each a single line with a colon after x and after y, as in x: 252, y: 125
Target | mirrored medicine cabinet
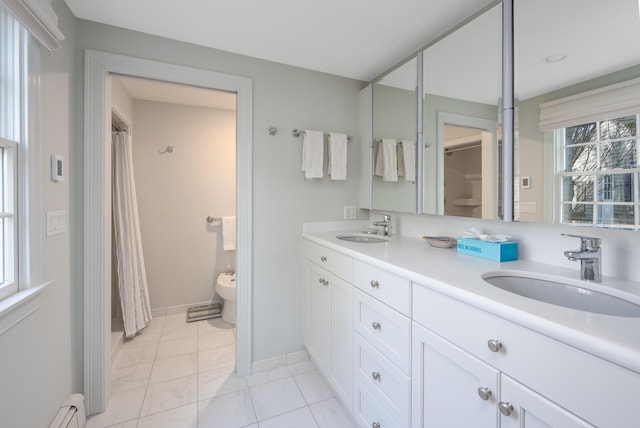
x: 567, y: 167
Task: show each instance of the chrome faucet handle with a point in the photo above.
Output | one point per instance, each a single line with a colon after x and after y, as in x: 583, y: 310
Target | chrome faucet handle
x: 385, y: 217
x: 588, y: 243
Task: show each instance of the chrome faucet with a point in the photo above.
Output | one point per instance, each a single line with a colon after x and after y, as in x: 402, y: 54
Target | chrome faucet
x: 589, y: 255
x: 386, y: 222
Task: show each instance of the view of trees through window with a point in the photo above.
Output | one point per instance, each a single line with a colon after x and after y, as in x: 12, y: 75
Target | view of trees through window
x: 600, y: 174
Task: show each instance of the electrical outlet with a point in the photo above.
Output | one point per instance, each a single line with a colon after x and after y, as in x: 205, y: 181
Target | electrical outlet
x: 349, y: 212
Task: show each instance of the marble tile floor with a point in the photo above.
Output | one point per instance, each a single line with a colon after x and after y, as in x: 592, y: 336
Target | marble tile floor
x: 181, y: 375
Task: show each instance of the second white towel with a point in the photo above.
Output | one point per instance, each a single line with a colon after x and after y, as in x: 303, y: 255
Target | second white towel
x: 337, y: 156
x: 407, y: 160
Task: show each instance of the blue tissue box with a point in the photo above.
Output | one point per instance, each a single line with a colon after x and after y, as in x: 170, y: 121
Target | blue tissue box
x: 496, y: 251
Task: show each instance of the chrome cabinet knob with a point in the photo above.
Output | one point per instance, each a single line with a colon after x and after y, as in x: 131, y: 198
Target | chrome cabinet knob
x: 494, y: 345
x: 375, y: 375
x: 376, y: 325
x: 375, y: 425
x: 484, y: 393
x: 323, y: 259
x: 505, y: 408
x: 375, y: 284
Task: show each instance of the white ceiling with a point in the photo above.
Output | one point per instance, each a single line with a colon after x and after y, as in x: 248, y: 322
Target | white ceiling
x: 352, y: 38
x: 361, y: 39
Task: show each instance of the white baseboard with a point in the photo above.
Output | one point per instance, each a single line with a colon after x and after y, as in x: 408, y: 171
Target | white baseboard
x: 179, y: 309
x: 279, y: 361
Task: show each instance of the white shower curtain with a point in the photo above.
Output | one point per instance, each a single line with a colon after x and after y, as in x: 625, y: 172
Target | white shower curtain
x: 132, y: 278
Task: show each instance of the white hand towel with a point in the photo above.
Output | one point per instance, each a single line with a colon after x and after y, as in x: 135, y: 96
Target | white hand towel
x: 229, y: 233
x: 312, y: 154
x: 337, y: 156
x: 387, y: 160
x: 407, y: 160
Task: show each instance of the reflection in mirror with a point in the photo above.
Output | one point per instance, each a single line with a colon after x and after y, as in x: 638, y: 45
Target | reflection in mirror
x: 577, y: 86
x: 394, y: 140
x: 462, y: 88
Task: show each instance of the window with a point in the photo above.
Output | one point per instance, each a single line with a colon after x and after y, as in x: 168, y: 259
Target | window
x: 599, y: 173
x: 15, y: 108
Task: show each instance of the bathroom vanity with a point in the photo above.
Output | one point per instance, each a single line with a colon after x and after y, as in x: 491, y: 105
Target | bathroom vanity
x: 410, y: 335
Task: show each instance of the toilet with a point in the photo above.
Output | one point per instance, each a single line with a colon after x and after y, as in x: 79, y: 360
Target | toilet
x: 226, y: 288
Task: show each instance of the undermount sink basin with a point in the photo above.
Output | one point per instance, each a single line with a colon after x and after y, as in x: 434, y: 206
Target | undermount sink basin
x: 553, y: 290
x: 363, y: 238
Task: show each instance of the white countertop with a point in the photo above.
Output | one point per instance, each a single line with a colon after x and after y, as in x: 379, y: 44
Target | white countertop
x: 613, y: 338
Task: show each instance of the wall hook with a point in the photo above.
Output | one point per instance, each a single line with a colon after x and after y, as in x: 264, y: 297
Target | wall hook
x: 273, y: 130
x: 169, y: 149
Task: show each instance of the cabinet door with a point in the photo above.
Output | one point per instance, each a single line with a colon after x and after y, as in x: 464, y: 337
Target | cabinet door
x: 318, y: 316
x: 341, y: 339
x: 523, y: 408
x: 450, y: 387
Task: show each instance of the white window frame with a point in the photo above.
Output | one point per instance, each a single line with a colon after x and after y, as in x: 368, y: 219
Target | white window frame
x: 20, y: 161
x: 559, y: 136
x: 8, y: 220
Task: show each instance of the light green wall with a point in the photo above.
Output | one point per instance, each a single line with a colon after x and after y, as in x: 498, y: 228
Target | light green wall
x: 286, y: 97
x: 38, y: 360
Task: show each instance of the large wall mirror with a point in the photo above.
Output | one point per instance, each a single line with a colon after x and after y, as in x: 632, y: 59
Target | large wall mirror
x: 394, y: 140
x: 577, y: 105
x: 462, y: 132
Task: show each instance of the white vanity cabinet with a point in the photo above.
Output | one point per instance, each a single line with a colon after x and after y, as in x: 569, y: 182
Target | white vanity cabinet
x: 469, y: 365
x: 328, y: 326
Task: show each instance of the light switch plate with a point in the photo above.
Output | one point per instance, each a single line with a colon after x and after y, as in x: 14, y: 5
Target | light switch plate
x: 56, y: 222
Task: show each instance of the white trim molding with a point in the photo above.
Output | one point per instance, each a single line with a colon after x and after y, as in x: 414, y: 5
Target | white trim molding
x: 96, y: 264
x: 607, y: 102
x: 39, y: 18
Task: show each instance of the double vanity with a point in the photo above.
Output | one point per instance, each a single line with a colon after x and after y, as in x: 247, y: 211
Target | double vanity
x: 409, y: 335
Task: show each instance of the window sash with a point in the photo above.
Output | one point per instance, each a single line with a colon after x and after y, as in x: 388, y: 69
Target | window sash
x: 8, y: 220
x: 605, y: 197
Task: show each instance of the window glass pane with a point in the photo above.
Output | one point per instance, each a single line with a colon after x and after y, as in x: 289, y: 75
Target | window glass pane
x: 618, y: 154
x: 616, y: 188
x: 577, y: 213
x: 577, y: 189
x: 581, y: 134
x: 581, y: 158
x: 618, y: 128
x: 616, y: 214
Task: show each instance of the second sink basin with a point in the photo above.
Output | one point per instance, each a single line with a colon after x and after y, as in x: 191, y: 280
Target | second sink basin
x: 364, y: 238
x: 552, y: 290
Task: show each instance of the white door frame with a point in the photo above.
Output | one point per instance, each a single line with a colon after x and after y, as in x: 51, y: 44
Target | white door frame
x: 97, y: 177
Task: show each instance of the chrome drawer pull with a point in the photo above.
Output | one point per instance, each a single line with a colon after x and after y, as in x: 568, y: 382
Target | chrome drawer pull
x: 376, y: 325
x: 323, y: 281
x: 494, y: 345
x: 484, y: 393
x: 323, y: 259
x: 375, y: 284
x: 375, y: 425
x: 505, y: 408
x: 375, y: 375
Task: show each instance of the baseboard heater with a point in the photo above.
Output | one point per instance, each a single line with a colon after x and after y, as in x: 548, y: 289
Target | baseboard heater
x: 71, y: 414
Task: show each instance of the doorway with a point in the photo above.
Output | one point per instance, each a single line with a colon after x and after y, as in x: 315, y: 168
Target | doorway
x: 97, y: 228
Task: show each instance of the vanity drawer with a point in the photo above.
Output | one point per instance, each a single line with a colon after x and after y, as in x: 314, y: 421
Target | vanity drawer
x: 377, y: 373
x: 369, y: 411
x: 336, y: 263
x: 565, y: 375
x: 387, y: 330
x: 387, y: 287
